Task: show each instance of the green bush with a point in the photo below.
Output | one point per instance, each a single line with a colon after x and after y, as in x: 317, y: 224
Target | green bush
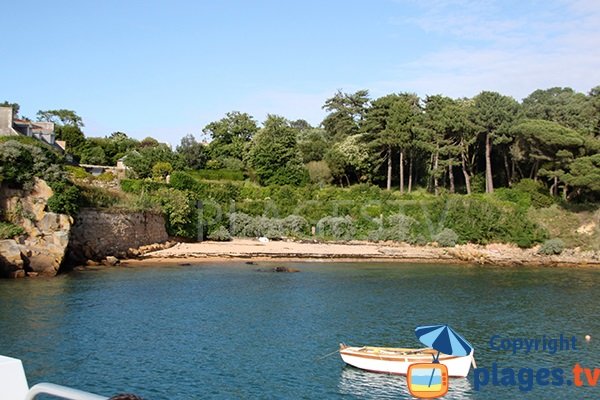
x: 271, y: 228
x: 552, y: 247
x: 97, y: 197
x: 537, y: 192
x: 446, y: 238
x: 21, y: 162
x: 65, y: 200
x: 295, y: 225
x: 336, y: 227
x: 9, y: 231
x: 139, y: 185
x: 180, y: 212
x: 77, y: 172
x: 218, y: 174
x: 182, y: 181
x: 220, y: 234
x: 106, y: 177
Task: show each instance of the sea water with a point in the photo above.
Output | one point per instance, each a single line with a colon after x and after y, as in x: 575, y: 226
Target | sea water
x: 227, y: 331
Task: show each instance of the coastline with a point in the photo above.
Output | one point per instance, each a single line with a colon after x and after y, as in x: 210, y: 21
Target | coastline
x: 355, y: 251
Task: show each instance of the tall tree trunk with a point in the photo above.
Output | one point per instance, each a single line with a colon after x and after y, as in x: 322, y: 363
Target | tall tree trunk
x: 507, y: 169
x: 451, y: 177
x: 554, y: 187
x: 463, y: 159
x: 389, y: 169
x: 401, y: 171
x: 436, y: 164
x: 410, y: 173
x: 489, y: 184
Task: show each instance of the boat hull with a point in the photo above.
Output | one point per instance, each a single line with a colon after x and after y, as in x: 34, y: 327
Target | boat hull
x: 389, y: 361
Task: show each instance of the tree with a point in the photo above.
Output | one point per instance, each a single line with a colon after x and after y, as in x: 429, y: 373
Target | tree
x: 584, y: 174
x: 594, y: 97
x: 388, y: 125
x: 545, y: 148
x: 61, y: 117
x: 346, y: 113
x: 274, y: 155
x: 93, y: 155
x: 193, y: 153
x: 149, y: 142
x: 161, y: 170
x: 493, y: 114
x: 561, y: 105
x: 439, y: 130
x: 74, y: 137
x: 313, y: 144
x: 350, y: 156
x: 142, y: 160
x: 230, y: 135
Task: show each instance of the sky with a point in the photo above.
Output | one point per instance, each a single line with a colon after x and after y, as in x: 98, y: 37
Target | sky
x: 168, y: 68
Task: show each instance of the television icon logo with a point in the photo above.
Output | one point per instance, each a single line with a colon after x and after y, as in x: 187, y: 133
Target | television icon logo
x: 427, y: 381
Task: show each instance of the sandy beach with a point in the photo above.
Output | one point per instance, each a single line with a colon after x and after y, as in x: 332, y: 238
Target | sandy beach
x: 253, y: 249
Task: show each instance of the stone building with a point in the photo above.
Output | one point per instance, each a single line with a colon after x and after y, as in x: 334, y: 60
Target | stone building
x: 44, y: 131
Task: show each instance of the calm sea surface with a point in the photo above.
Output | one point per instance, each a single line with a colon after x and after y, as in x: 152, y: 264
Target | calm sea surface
x: 225, y: 331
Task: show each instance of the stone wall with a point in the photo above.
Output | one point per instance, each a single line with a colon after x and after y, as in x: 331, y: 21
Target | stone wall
x: 97, y: 234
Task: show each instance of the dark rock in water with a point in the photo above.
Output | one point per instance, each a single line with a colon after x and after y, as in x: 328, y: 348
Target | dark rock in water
x: 278, y: 269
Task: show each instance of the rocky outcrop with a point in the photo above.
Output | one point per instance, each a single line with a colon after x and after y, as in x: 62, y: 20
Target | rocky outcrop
x: 42, y: 247
x: 98, y: 234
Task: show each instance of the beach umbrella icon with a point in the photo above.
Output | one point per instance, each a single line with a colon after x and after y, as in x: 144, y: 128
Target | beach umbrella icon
x: 443, y: 339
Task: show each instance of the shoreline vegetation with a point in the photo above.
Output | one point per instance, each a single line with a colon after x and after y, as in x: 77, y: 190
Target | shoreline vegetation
x: 487, y: 179
x: 252, y: 250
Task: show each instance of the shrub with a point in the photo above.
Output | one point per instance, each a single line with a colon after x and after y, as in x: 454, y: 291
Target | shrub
x: 92, y: 196
x: 20, y: 163
x: 77, y: 172
x: 106, y: 177
x: 319, y: 172
x: 220, y: 234
x: 138, y: 185
x: 182, y: 181
x: 399, y: 227
x: 9, y: 231
x: 271, y: 228
x: 536, y: 191
x: 65, y: 200
x: 161, y: 169
x: 131, y: 185
x: 295, y: 225
x: 241, y: 225
x: 336, y: 227
x: 218, y: 174
x: 180, y: 212
x: 552, y: 247
x: 446, y: 238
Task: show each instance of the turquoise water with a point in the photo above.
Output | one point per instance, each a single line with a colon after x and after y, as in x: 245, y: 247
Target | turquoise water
x: 225, y: 331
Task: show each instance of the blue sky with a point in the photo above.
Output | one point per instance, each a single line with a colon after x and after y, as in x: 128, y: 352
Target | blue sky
x: 168, y: 68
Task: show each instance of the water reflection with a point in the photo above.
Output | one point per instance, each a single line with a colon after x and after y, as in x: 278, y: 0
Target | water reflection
x: 370, y: 385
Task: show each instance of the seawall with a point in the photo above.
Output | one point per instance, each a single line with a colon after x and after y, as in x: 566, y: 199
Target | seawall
x: 97, y: 234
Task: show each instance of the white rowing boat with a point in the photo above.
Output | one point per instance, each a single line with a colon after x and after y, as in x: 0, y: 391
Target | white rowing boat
x: 391, y: 360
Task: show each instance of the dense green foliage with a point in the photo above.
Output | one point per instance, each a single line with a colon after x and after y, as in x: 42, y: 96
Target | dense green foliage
x: 9, y: 231
x: 513, y: 160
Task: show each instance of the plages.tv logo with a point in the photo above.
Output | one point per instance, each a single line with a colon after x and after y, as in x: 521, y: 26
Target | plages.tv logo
x: 526, y: 378
x: 453, y: 356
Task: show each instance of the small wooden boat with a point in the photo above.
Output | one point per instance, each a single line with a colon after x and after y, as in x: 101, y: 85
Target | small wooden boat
x: 391, y: 360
